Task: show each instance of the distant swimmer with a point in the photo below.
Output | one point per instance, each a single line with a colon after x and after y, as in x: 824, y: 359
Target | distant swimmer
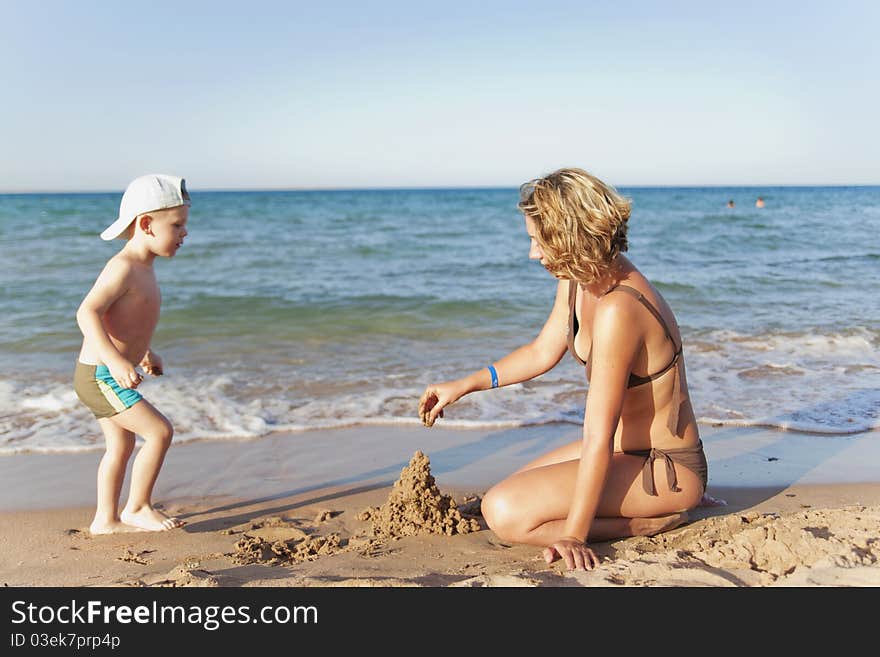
x: 759, y: 203
x: 730, y: 203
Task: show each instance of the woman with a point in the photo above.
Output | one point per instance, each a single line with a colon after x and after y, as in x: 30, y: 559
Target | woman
x: 640, y: 465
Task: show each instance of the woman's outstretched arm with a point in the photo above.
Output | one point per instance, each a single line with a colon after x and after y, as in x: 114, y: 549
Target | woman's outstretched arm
x: 522, y: 364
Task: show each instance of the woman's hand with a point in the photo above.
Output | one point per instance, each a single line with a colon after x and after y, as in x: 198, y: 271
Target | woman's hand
x: 152, y: 364
x: 574, y: 552
x: 435, y: 398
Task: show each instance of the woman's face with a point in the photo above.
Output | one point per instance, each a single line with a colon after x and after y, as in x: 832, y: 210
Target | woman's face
x: 535, y: 252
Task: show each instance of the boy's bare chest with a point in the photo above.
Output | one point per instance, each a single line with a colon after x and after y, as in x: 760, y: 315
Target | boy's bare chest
x: 140, y: 304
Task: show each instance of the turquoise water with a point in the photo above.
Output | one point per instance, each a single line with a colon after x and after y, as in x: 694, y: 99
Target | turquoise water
x: 294, y: 310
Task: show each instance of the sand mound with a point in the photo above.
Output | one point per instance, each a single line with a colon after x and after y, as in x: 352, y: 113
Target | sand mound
x: 135, y: 557
x: 817, y: 547
x: 253, y: 549
x: 416, y: 506
x: 276, y: 540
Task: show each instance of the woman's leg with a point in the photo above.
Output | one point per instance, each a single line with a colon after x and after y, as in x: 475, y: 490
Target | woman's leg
x: 532, y: 504
x: 567, y: 452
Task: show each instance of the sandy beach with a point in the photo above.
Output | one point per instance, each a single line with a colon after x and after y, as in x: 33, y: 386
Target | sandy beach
x: 289, y: 510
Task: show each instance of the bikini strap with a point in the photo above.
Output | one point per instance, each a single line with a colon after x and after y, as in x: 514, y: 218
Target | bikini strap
x: 652, y: 455
x: 677, y: 397
x: 572, y: 294
x: 647, y: 304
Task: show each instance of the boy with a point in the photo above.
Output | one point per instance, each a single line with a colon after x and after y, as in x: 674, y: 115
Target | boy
x: 117, y: 319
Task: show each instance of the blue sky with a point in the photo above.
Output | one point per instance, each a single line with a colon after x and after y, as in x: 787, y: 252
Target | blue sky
x: 267, y: 95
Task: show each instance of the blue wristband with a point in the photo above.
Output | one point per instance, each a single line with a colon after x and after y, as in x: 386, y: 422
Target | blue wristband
x: 494, y: 376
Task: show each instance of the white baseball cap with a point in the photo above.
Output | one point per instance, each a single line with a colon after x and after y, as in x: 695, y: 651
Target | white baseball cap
x: 156, y: 191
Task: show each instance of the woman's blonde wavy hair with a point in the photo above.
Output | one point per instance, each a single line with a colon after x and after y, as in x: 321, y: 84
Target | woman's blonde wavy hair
x: 580, y: 222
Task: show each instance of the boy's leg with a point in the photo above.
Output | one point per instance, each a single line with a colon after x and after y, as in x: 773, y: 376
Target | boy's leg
x: 111, y: 473
x: 144, y: 420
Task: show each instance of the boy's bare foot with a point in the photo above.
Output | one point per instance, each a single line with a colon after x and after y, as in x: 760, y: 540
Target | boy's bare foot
x: 150, y: 520
x: 652, y: 526
x: 112, y: 527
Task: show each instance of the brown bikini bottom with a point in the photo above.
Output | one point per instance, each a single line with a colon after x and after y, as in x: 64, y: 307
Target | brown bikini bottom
x: 693, y: 458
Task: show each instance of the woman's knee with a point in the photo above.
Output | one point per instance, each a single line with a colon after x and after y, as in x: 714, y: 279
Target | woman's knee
x: 499, y: 512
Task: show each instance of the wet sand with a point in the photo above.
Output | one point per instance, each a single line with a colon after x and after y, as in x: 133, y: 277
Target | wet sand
x: 294, y: 510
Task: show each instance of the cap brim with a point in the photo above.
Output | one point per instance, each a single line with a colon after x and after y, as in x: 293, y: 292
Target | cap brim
x: 116, y: 229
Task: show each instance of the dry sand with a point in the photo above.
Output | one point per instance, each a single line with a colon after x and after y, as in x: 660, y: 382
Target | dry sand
x: 399, y: 506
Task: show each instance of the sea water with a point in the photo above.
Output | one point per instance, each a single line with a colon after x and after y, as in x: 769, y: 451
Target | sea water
x: 293, y: 310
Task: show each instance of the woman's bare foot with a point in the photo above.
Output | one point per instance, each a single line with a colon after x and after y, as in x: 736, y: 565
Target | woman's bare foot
x: 111, y: 527
x: 652, y: 526
x: 150, y: 520
x: 708, y: 500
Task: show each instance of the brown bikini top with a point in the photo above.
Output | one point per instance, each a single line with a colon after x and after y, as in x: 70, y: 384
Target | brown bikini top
x: 634, y: 379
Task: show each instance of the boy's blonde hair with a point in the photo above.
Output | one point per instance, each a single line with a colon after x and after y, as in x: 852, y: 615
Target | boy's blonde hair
x: 580, y: 222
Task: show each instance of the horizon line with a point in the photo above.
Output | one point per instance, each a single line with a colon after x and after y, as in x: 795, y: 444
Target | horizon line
x: 433, y: 188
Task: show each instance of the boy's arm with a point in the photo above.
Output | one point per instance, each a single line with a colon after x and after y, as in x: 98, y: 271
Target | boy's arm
x: 112, y: 283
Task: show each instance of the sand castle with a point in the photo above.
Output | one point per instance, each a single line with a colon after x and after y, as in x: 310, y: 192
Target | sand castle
x: 416, y: 506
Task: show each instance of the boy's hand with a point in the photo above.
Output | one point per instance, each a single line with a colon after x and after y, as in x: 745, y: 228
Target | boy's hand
x: 152, y: 364
x: 125, y: 374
